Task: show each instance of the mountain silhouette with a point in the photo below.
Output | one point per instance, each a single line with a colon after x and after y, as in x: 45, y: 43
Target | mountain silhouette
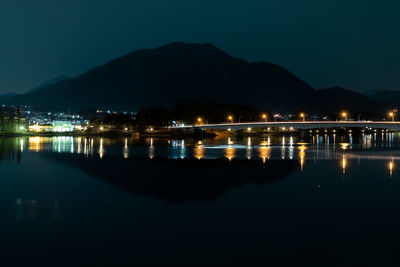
x: 388, y: 96
x: 49, y: 82
x: 338, y: 98
x: 179, y: 73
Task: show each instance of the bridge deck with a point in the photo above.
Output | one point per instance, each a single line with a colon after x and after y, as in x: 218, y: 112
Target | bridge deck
x: 298, y: 125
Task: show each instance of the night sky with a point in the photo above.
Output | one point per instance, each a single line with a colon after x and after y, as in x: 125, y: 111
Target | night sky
x: 354, y: 44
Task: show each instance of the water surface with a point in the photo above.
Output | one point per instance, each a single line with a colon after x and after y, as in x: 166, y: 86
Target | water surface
x: 275, y: 200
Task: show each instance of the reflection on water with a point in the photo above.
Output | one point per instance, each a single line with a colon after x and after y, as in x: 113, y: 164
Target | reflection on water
x: 344, y: 164
x: 391, y: 166
x: 199, y: 151
x: 302, y: 153
x: 264, y: 152
x: 230, y: 152
x: 125, y: 151
x: 278, y: 200
x: 377, y: 146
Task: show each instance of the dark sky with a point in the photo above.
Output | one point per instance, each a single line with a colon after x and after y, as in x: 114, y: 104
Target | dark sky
x: 352, y: 43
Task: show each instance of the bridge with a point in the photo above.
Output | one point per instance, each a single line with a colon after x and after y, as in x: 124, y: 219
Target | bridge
x: 301, y: 125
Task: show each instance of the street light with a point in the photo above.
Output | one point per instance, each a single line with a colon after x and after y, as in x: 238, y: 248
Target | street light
x: 230, y: 118
x: 264, y: 116
x: 199, y: 120
x: 303, y: 116
x: 344, y: 115
x: 391, y: 114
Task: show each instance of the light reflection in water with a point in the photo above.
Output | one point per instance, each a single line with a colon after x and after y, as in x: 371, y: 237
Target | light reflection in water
x: 22, y: 145
x: 230, y: 152
x: 302, y: 155
x: 151, y: 149
x: 125, y: 151
x: 264, y: 152
x: 283, y: 148
x: 266, y: 143
x: 243, y: 149
x: 183, y: 150
x: 79, y: 144
x: 101, y: 148
x: 249, y: 149
x: 84, y: 147
x: 199, y: 151
x: 391, y: 167
x: 35, y: 143
x: 91, y: 147
x: 344, y: 164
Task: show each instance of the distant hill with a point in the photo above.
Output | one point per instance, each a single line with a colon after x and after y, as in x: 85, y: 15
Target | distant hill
x: 387, y: 96
x: 7, y: 95
x: 179, y: 73
x: 49, y: 82
x: 337, y: 98
x: 369, y: 92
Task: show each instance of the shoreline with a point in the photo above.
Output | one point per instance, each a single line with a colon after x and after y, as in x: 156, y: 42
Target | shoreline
x: 111, y: 134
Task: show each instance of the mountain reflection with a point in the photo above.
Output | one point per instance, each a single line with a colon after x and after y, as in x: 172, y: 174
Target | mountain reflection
x: 226, y: 152
x: 181, y: 180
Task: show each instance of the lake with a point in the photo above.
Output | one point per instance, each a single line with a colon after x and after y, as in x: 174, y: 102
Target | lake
x: 275, y: 200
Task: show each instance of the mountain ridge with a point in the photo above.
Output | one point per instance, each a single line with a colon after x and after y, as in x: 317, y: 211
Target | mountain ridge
x: 180, y: 72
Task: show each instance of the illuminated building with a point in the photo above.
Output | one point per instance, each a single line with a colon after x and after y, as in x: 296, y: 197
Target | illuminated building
x: 62, y: 126
x: 40, y: 128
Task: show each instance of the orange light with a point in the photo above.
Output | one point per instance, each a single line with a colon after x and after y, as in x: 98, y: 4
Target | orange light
x: 391, y: 166
x: 344, y: 165
x: 303, y: 116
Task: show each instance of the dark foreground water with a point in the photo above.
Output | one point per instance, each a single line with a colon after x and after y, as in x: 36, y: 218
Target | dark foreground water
x: 325, y: 200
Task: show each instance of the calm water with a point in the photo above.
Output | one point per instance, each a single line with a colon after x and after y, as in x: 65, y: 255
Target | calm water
x: 323, y: 200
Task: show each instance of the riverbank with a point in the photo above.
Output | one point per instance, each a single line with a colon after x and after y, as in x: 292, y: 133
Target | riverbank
x: 136, y: 134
